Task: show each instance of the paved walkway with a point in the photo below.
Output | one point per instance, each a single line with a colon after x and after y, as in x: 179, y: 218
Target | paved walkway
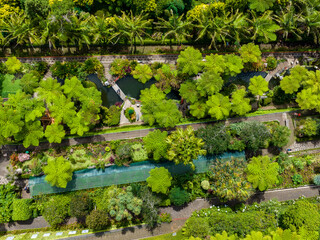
x: 291, y: 62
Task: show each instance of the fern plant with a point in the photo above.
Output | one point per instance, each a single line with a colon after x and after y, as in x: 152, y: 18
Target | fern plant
x: 262, y: 173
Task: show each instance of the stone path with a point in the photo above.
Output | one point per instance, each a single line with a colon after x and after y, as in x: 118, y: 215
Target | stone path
x: 291, y: 62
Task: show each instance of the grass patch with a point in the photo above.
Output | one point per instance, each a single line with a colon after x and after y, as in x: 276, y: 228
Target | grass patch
x: 262, y: 112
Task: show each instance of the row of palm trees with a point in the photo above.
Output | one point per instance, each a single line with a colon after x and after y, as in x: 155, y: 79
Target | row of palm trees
x: 83, y: 29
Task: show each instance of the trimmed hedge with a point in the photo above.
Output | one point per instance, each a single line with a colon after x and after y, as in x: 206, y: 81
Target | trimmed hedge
x: 21, y: 209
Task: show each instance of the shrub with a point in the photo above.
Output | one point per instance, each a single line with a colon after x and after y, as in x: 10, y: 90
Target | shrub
x: 280, y: 135
x: 159, y: 180
x: 196, y: 227
x: 301, y: 214
x: 316, y: 180
x: 280, y: 97
x: 122, y: 67
x: 179, y: 196
x: 123, y: 205
x: 21, y: 209
x: 138, y: 153
x: 241, y: 223
x: 113, y: 118
x: 215, y: 137
x: 41, y: 67
x: 7, y: 195
x: 93, y: 66
x: 123, y: 153
x: 228, y: 180
x: 80, y: 205
x: 130, y: 114
x: 297, y: 179
x: 165, y: 217
x: 272, y: 63
x: 205, y: 184
x: 97, y: 220
x: 56, y: 210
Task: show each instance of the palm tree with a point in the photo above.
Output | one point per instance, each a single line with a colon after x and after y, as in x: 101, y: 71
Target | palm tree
x: 18, y: 30
x: 51, y: 32
x: 101, y: 29
x: 174, y: 28
x: 310, y: 23
x: 79, y: 29
x: 130, y: 27
x: 288, y: 22
x: 263, y: 27
x: 238, y: 26
x: 216, y: 28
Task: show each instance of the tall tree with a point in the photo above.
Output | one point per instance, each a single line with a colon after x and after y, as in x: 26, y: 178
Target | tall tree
x: 142, y: 72
x: 155, y: 143
x: 131, y: 27
x: 58, y: 172
x: 190, y: 61
x: 209, y: 83
x: 174, y: 28
x: 219, y: 106
x: 258, y: 85
x: 239, y: 104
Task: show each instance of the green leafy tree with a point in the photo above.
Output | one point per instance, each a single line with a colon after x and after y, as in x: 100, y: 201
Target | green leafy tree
x: 49, y: 90
x: 13, y: 65
x: 215, y: 63
x: 284, y: 234
x: 167, y: 114
x: 223, y: 236
x: 54, y: 133
x: 190, y: 61
x: 228, y: 180
x: 142, y: 72
x: 188, y: 91
x: 179, y: 196
x: 159, y: 180
x: 197, y: 227
x: 291, y: 83
x: 156, y: 109
x: 250, y: 53
x: 262, y: 173
x: 33, y: 134
x: 155, y: 143
x: 199, y: 109
x: 184, y: 146
x: 233, y: 63
x: 58, y: 172
x: 216, y: 138
x: 261, y: 5
x: 30, y: 81
x: 219, y: 106
x: 209, y: 83
x: 239, y: 104
x: 258, y: 85
x: 7, y: 196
